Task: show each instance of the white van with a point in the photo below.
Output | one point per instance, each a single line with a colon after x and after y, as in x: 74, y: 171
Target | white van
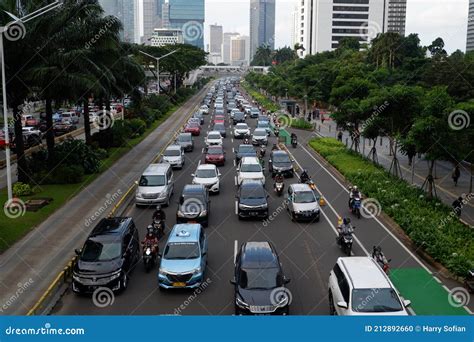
x: 156, y: 185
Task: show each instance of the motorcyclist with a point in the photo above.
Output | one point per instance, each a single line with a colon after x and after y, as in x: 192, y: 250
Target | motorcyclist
x: 378, y: 256
x: 151, y: 239
x: 345, y: 228
x: 246, y: 141
x: 304, y: 177
x: 293, y: 137
x: 159, y: 214
x: 353, y: 193
x: 279, y: 177
x: 274, y: 147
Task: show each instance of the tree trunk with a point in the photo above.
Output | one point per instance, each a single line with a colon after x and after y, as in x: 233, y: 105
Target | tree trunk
x: 20, y: 146
x: 430, y: 179
x: 49, y: 131
x: 87, y: 124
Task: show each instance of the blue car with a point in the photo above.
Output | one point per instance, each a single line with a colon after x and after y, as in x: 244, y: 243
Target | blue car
x: 184, y: 259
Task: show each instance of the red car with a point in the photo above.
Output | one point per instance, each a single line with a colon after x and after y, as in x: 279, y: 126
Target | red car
x: 215, y: 155
x: 193, y: 128
x: 219, y: 119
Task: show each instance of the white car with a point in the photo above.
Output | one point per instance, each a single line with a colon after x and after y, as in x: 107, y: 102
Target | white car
x: 359, y: 287
x: 31, y: 131
x: 250, y: 168
x: 204, y: 110
x: 209, y: 176
x: 174, y: 155
x: 259, y: 137
x: 214, y: 138
x: 233, y: 111
x: 241, y: 130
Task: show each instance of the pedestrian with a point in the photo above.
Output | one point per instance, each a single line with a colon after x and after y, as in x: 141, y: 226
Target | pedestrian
x: 457, y: 206
x: 309, y: 117
x: 456, y: 174
x: 339, y: 136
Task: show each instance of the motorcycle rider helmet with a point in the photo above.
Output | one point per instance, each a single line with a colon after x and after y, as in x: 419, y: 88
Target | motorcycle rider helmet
x: 158, y: 207
x: 150, y: 230
x: 355, y: 188
x: 346, y: 220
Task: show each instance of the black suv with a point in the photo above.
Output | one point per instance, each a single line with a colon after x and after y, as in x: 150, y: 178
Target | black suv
x: 239, y: 117
x: 194, y: 205
x: 244, y: 151
x: 280, y: 161
x: 259, y: 281
x: 252, y: 200
x: 108, y: 256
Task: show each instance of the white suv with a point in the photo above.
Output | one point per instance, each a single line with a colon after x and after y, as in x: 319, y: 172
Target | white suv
x: 209, y: 176
x: 174, y: 155
x: 214, y: 138
x: 359, y: 287
x: 250, y: 168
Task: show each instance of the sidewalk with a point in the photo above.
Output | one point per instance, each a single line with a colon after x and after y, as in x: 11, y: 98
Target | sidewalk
x: 445, y: 188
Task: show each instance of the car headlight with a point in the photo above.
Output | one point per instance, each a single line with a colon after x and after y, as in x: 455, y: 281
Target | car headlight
x: 139, y: 195
x: 240, y: 303
x: 197, y: 271
x: 162, y: 272
x: 203, y: 213
x: 148, y: 251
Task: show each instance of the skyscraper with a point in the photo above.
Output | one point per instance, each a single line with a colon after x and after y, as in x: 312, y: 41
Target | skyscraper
x: 226, y: 46
x: 149, y: 20
x: 188, y: 16
x: 470, y: 28
x: 397, y: 16
x: 216, y: 39
x: 262, y: 24
x: 239, y: 50
x: 127, y: 12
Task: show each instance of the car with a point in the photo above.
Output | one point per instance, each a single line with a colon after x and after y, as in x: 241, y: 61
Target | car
x: 63, y: 128
x: 185, y: 140
x: 215, y: 155
x: 193, y: 128
x: 32, y: 131
x: 231, y: 105
x: 200, y: 116
x: 194, y: 205
x: 244, y: 151
x: 209, y: 176
x: 263, y: 118
x: 214, y: 138
x: 70, y: 117
x: 254, y: 112
x: 280, y: 161
x: 156, y: 185
x: 250, y: 168
x: 241, y: 130
x: 233, y: 111
x: 252, y: 200
x: 219, y: 119
x: 194, y: 120
x: 184, y: 258
x: 204, y: 109
x: 264, y: 125
x: 109, y: 254
x: 259, y: 137
x: 302, y: 203
x: 220, y: 127
x: 238, y: 117
x: 259, y: 281
x: 219, y: 111
x: 359, y: 287
x: 219, y: 105
x: 174, y: 155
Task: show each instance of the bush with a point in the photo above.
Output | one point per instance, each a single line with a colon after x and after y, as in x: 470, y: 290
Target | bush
x: 429, y: 223
x: 301, y: 124
x: 67, y: 174
x: 137, y: 126
x: 120, y: 133
x: 261, y: 99
x: 21, y: 189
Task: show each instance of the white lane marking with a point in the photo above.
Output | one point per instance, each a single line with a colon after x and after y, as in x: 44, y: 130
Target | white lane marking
x: 236, y: 246
x: 235, y: 163
x: 233, y: 150
x: 202, y: 151
x: 235, y: 180
x: 232, y: 140
x: 375, y: 218
x: 236, y: 208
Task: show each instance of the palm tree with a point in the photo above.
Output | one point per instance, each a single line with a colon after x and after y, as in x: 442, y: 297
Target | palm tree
x: 263, y: 56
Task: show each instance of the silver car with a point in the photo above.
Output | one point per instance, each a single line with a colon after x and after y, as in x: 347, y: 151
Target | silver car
x: 155, y: 186
x: 302, y: 203
x: 174, y: 155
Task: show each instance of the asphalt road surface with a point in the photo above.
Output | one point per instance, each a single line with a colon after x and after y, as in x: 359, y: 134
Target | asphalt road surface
x: 308, y: 251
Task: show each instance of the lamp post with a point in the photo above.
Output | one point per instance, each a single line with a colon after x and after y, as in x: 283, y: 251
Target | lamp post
x: 19, y: 34
x: 305, y: 105
x: 157, y: 59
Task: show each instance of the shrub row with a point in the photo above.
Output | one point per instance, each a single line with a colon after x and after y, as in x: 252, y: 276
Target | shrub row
x: 261, y: 99
x: 428, y: 222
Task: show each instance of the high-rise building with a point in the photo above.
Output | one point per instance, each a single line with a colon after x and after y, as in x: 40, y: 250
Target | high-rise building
x: 149, y: 20
x: 397, y: 16
x: 165, y: 15
x: 188, y: 16
x: 163, y: 36
x: 470, y: 28
x: 262, y: 24
x: 216, y: 39
x: 226, y: 46
x: 239, y: 50
x: 295, y: 26
x: 324, y: 23
x: 127, y: 12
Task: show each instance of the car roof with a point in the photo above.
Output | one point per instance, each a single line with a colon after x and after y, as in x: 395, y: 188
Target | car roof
x: 185, y: 232
x: 156, y: 168
x: 250, y: 160
x: 300, y: 187
x: 207, y: 167
x: 194, y: 189
x: 242, y: 124
x: 258, y: 255
x: 364, y: 273
x: 115, y: 226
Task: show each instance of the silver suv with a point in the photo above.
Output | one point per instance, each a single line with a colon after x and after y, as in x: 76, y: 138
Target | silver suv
x: 155, y: 186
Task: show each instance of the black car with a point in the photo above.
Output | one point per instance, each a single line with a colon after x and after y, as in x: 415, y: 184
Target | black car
x: 252, y: 200
x: 259, y: 281
x: 194, y: 205
x: 185, y: 140
x: 220, y: 127
x: 108, y: 256
x: 239, y: 117
x: 280, y: 161
x: 244, y: 151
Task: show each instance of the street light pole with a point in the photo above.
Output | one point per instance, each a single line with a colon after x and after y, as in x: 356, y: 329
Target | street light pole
x: 158, y: 64
x: 3, y: 29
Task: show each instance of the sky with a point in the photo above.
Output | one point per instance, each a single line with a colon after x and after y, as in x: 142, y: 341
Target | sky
x: 429, y: 18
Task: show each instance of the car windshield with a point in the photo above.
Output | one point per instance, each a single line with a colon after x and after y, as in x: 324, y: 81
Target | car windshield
x: 152, y: 180
x: 172, y: 153
x: 219, y: 127
x: 241, y: 126
x: 181, y: 251
x: 281, y: 158
x: 259, y: 279
x: 262, y: 124
x: 260, y: 133
x: 251, y: 168
x: 304, y: 197
x: 252, y: 192
x: 214, y: 150
x: 375, y: 300
x: 193, y: 124
x: 101, y: 251
x: 184, y: 138
x: 214, y: 136
x: 246, y: 149
x: 205, y: 173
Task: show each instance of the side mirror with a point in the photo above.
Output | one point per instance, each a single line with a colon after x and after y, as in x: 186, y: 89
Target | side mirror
x: 78, y: 251
x: 136, y: 182
x: 233, y: 281
x: 342, y: 305
x: 238, y: 169
x: 193, y: 175
x: 406, y: 303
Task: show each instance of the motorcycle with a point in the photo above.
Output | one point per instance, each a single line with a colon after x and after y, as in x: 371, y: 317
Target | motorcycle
x: 356, y: 204
x: 346, y: 241
x: 294, y: 142
x: 279, y: 186
x: 311, y: 184
x: 277, y: 131
x: 159, y: 228
x: 149, y: 256
x: 380, y: 258
x: 262, y: 150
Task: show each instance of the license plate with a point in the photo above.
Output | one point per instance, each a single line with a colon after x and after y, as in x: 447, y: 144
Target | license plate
x: 192, y: 221
x: 179, y: 284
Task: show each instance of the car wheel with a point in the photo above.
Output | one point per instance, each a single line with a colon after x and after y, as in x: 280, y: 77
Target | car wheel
x: 162, y: 289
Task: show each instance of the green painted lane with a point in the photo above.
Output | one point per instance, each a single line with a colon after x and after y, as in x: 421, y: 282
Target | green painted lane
x: 428, y: 297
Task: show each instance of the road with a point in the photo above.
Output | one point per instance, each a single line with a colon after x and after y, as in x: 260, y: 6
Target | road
x: 307, y: 251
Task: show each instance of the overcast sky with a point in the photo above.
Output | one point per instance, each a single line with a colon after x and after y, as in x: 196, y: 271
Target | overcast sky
x: 429, y: 18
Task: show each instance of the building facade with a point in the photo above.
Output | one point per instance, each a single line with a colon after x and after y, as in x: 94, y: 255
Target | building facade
x: 239, y: 50
x: 216, y: 38
x: 164, y: 36
x: 324, y: 23
x: 262, y: 24
x: 470, y: 28
x: 226, y: 46
x: 127, y: 11
x: 189, y: 17
x: 150, y: 20
x: 397, y: 16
